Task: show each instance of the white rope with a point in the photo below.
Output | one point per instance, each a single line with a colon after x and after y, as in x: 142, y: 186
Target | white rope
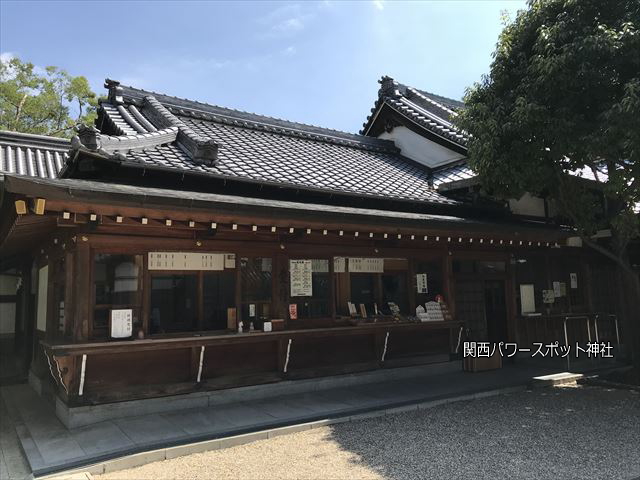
x: 59, y: 373
x: 50, y: 366
x: 384, y: 351
x: 286, y: 362
x: 459, y: 338
x: 201, y: 362
x: 82, y: 370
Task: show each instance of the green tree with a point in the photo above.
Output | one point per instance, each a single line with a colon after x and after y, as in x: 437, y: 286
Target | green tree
x: 47, y: 101
x: 563, y: 95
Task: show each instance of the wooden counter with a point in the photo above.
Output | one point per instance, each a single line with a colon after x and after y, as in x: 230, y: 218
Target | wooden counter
x: 123, y: 370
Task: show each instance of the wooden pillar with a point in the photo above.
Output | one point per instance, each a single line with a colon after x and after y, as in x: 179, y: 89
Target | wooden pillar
x: 449, y: 287
x: 83, y: 287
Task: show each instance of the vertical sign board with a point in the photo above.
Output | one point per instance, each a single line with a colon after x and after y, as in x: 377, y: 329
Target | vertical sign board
x: 527, y: 299
x: 301, y: 278
x: 43, y: 287
x: 121, y: 323
x: 421, y: 283
x: 574, y: 280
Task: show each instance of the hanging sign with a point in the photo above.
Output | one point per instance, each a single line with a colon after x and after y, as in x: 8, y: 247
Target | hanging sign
x: 229, y: 260
x: 121, y: 323
x: 574, y: 280
x: 548, y: 296
x: 186, y: 261
x: 421, y: 283
x: 366, y: 265
x: 301, y: 278
x: 293, y: 311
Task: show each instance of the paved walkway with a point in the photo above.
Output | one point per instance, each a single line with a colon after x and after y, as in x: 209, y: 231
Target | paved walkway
x: 49, y: 446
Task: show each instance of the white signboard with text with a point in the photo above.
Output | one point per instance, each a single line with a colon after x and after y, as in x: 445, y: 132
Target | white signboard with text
x: 301, y: 278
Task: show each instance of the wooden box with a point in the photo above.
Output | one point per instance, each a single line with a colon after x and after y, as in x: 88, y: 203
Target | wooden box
x: 481, y: 364
x: 277, y: 324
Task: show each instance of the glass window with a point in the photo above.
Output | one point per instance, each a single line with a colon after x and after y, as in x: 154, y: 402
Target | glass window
x: 174, y: 303
x: 394, y: 290
x: 317, y: 304
x: 256, y: 288
x: 116, y: 284
x: 435, y: 285
x: 219, y: 294
x: 363, y: 290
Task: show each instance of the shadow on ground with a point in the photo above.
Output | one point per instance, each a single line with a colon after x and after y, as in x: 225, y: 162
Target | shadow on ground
x: 570, y: 433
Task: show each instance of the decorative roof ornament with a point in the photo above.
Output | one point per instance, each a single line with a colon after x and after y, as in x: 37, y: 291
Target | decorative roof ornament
x: 115, y: 91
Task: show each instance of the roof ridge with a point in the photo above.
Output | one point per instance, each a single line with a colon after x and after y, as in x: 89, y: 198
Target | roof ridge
x: 244, y: 116
x: 431, y: 100
x: 35, y: 140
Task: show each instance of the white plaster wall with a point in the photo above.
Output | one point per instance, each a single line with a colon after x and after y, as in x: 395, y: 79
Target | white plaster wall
x: 418, y: 148
x: 528, y: 205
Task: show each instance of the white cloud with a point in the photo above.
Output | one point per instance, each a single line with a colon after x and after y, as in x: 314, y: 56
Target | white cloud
x: 286, y: 20
x: 6, y: 56
x: 290, y: 50
x: 378, y: 4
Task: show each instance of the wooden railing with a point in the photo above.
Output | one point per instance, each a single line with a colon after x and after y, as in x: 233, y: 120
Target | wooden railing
x: 101, y: 372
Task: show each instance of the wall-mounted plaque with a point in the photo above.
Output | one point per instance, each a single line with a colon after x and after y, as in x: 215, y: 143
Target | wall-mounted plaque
x: 121, y: 323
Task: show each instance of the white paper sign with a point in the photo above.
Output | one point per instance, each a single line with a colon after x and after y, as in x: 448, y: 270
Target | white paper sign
x: 556, y: 289
x: 421, y: 282
x: 229, y: 260
x: 339, y: 264
x: 574, y: 280
x: 548, y: 296
x: 121, y: 323
x: 252, y: 309
x: 366, y: 265
x: 301, y: 279
x: 527, y: 299
x: 186, y: 261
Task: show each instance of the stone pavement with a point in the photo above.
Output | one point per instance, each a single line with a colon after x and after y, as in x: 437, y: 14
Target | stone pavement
x: 13, y: 464
x: 49, y: 446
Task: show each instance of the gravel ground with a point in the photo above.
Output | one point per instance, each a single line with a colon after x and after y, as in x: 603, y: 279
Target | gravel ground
x: 550, y: 433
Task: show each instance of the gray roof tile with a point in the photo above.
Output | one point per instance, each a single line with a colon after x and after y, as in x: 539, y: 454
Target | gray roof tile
x: 32, y: 155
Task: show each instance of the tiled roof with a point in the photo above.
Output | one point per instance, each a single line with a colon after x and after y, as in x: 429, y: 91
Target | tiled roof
x: 452, y: 173
x: 251, y: 148
x: 432, y: 112
x: 32, y: 155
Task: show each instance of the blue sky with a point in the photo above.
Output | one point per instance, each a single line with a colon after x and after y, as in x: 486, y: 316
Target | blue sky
x: 313, y: 62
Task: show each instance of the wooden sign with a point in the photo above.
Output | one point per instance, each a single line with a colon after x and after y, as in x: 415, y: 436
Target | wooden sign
x: 232, y: 318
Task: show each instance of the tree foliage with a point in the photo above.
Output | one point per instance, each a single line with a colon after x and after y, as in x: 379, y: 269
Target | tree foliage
x: 563, y: 96
x: 46, y: 101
